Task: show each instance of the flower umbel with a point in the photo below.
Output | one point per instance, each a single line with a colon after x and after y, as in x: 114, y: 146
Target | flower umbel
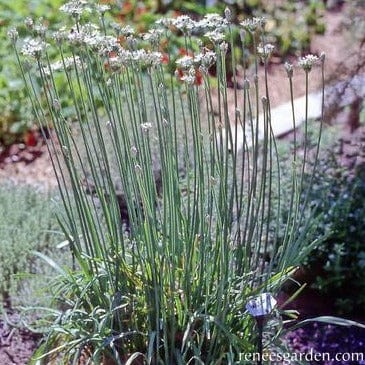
x: 189, y: 77
x: 307, y: 62
x: 34, y: 47
x: 212, y: 22
x: 75, y: 7
x: 66, y: 64
x: 265, y: 51
x: 102, y: 8
x: 253, y: 24
x: 13, y: 35
x: 185, y: 62
x: 184, y: 23
x: 215, y: 36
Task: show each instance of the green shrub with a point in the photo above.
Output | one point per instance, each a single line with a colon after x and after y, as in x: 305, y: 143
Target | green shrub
x: 15, y: 109
x: 291, y: 24
x: 27, y: 224
x: 340, y: 198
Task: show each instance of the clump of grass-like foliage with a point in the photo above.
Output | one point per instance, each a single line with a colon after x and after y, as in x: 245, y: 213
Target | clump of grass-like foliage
x: 172, y: 226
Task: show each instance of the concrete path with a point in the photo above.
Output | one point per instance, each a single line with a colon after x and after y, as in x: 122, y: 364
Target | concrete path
x: 338, y: 96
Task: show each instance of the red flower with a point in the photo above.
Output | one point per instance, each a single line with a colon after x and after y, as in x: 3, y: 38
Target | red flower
x: 165, y: 58
x: 30, y: 139
x: 185, y: 52
x: 198, y: 77
x: 179, y: 74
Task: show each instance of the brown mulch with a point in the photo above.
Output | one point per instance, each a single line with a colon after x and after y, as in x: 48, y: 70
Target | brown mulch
x: 27, y: 165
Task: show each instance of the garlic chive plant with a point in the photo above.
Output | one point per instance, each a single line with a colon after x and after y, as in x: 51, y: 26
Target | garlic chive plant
x: 172, y: 226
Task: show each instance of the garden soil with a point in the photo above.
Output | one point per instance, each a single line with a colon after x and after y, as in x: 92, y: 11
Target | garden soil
x: 22, y: 164
x: 16, y: 344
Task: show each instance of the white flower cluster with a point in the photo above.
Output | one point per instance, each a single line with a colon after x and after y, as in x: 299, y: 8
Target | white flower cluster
x: 106, y: 45
x: 76, y: 7
x: 265, y: 50
x: 185, y: 62
x: 214, y: 27
x: 34, y: 47
x: 102, y: 8
x: 65, y: 65
x: 215, y: 36
x: 253, y: 24
x: 127, y: 31
x: 307, y: 62
x: 139, y: 57
x: 145, y: 58
x: 188, y: 66
x: 204, y: 59
x: 40, y: 28
x: 211, y: 23
x: 164, y: 22
x: 29, y: 22
x: 189, y: 77
x: 60, y: 35
x: 119, y: 30
x: 184, y: 23
x: 153, y: 36
x: 89, y: 36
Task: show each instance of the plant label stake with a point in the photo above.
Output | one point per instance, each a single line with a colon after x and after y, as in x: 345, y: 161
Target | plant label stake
x: 260, y: 308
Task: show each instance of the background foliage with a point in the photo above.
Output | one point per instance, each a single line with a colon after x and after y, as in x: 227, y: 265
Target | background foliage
x: 15, y: 111
x: 340, y: 260
x: 27, y: 224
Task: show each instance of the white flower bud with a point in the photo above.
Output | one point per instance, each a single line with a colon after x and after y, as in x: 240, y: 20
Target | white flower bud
x: 246, y: 84
x: 224, y: 47
x: 134, y: 151
x: 13, y: 35
x: 289, y: 69
x: 228, y: 14
x: 56, y: 105
x: 146, y: 127
x: 264, y: 101
x: 29, y: 23
x: 322, y: 57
